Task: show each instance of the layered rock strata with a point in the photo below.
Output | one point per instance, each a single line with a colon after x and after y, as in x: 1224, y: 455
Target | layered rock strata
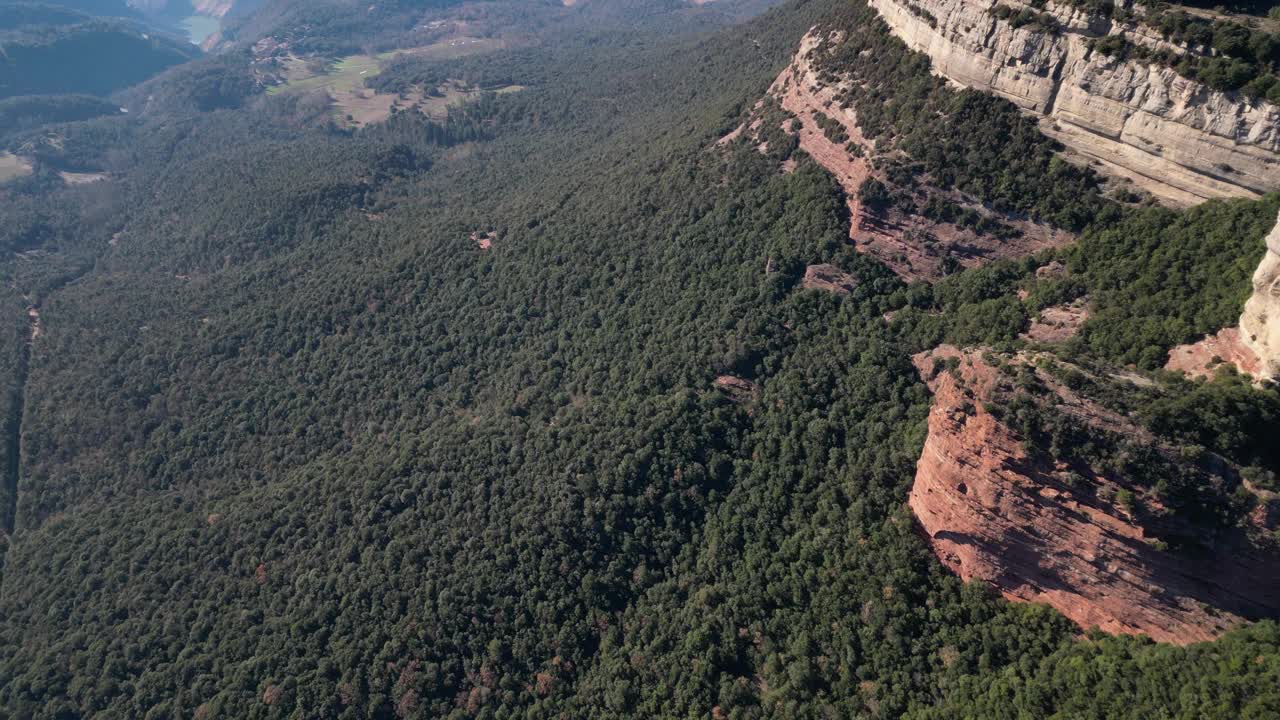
x: 914, y: 247
x: 994, y: 515
x: 1175, y: 138
x: 1260, y: 322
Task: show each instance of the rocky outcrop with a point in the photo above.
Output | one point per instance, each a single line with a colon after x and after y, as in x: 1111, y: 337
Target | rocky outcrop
x: 1058, y: 323
x: 1260, y: 323
x: 1202, y: 359
x: 738, y: 389
x: 1173, y: 137
x: 1037, y: 533
x: 828, y: 278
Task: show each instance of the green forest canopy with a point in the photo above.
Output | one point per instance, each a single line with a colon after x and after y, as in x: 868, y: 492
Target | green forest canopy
x: 294, y: 445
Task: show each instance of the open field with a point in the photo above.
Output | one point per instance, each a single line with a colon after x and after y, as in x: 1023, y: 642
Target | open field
x: 350, y: 72
x: 81, y: 178
x: 13, y: 167
x: 361, y: 106
x: 356, y: 105
x: 451, y: 49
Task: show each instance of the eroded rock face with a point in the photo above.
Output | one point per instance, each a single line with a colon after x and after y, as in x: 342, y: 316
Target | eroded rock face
x: 913, y: 246
x: 994, y: 515
x: 829, y: 278
x: 1225, y: 347
x: 1260, y: 323
x: 738, y: 389
x: 1059, y: 323
x: 1173, y: 137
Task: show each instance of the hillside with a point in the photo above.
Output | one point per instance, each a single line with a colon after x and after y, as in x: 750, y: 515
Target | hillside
x: 46, y: 49
x: 595, y: 398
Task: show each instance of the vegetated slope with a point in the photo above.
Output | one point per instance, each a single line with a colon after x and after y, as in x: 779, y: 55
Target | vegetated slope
x: 294, y: 443
x: 47, y: 50
x: 905, y: 213
x: 32, y: 111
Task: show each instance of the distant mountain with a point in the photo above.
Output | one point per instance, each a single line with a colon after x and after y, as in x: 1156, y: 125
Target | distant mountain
x: 48, y: 49
x: 99, y: 8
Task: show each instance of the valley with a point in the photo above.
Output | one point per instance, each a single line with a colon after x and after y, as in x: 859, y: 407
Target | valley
x: 742, y: 360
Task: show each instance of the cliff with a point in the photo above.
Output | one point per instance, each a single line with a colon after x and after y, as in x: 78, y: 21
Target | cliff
x: 1260, y: 322
x: 1056, y: 533
x: 913, y: 246
x: 1173, y: 137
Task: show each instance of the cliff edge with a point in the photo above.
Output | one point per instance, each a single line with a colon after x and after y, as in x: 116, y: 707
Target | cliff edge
x: 1173, y: 137
x: 1082, y: 540
x: 1260, y: 322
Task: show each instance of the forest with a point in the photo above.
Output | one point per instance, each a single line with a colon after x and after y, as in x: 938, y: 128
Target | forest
x: 290, y: 443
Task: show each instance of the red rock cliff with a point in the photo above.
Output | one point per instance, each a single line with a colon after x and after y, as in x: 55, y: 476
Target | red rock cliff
x: 992, y: 515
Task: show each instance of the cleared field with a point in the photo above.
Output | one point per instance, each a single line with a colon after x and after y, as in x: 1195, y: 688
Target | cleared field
x: 13, y: 167
x: 450, y: 49
x: 74, y: 178
x: 344, y: 75
x: 349, y: 73
x: 361, y: 106
x: 356, y: 105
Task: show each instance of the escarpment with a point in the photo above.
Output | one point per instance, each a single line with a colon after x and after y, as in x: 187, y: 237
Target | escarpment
x: 1260, y: 322
x: 1173, y: 137
x: 1092, y: 544
x: 808, y: 105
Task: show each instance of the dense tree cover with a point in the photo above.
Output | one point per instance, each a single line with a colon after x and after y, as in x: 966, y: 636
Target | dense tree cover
x: 1227, y: 416
x: 212, y: 83
x: 32, y: 111
x: 339, y: 27
x: 343, y: 27
x: 97, y: 8
x: 295, y: 446
x: 1159, y: 278
x: 1214, y: 680
x: 1182, y: 481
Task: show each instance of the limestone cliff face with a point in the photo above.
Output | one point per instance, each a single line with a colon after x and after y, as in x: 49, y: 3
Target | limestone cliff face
x: 1260, y: 323
x: 1173, y: 137
x: 995, y: 515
